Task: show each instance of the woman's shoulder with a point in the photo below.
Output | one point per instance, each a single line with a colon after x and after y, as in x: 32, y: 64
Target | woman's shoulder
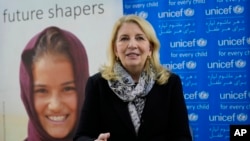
x: 174, y: 77
x: 95, y: 80
x: 97, y: 77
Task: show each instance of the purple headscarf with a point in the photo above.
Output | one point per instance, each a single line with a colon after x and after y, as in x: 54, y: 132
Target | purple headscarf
x: 81, y: 73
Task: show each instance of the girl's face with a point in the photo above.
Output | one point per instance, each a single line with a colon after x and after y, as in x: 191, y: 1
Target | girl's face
x: 55, y: 96
x: 132, y: 46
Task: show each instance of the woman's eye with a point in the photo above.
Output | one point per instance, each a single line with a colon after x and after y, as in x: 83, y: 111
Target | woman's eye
x: 40, y: 91
x: 139, y: 38
x: 69, y: 88
x: 124, y: 39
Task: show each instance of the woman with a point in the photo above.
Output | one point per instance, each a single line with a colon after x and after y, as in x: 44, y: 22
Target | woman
x: 53, y: 74
x: 133, y: 98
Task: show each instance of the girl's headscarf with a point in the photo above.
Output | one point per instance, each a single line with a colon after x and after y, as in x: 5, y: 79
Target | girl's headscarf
x: 81, y: 73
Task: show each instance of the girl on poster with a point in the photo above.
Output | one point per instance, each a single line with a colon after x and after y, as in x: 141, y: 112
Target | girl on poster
x: 53, y: 73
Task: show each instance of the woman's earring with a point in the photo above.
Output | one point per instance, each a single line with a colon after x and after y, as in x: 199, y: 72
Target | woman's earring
x: 148, y: 57
x: 117, y: 58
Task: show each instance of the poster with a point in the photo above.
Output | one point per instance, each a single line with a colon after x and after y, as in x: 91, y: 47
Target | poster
x: 90, y: 20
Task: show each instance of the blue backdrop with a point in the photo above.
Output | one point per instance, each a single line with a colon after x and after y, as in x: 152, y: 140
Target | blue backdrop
x: 208, y: 44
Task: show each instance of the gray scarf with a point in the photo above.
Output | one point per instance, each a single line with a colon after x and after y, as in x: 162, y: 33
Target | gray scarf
x: 128, y: 91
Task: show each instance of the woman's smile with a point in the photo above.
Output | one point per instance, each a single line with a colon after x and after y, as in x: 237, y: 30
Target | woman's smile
x: 61, y: 118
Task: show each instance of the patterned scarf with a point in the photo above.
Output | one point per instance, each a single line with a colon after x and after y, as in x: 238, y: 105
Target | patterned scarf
x: 134, y: 94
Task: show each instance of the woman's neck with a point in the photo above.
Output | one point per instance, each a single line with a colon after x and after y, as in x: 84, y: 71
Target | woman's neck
x: 135, y: 75
x: 134, y: 72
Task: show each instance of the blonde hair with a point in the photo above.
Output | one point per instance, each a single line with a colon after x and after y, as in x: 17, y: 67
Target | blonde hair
x: 107, y: 70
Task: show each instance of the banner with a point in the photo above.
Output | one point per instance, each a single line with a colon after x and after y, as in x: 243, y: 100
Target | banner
x: 207, y: 43
x: 90, y: 20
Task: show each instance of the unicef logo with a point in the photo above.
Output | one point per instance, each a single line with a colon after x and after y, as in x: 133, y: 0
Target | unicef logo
x: 143, y: 14
x: 248, y: 40
x: 191, y: 65
x: 203, y: 95
x: 201, y: 42
x: 189, y: 12
x: 238, y: 9
x: 240, y: 63
x: 242, y: 117
x: 193, y: 117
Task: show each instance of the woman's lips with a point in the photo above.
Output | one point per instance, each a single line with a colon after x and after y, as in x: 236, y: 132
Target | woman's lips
x: 58, y: 118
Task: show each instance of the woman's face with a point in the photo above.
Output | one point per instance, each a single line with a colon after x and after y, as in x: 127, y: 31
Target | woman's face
x: 132, y: 46
x: 55, y: 96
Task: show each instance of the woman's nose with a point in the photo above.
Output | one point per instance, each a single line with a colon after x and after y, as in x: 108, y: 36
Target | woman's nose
x: 132, y: 43
x: 55, y: 103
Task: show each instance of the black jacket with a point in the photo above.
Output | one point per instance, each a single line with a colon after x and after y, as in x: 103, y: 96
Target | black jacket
x: 164, y: 117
